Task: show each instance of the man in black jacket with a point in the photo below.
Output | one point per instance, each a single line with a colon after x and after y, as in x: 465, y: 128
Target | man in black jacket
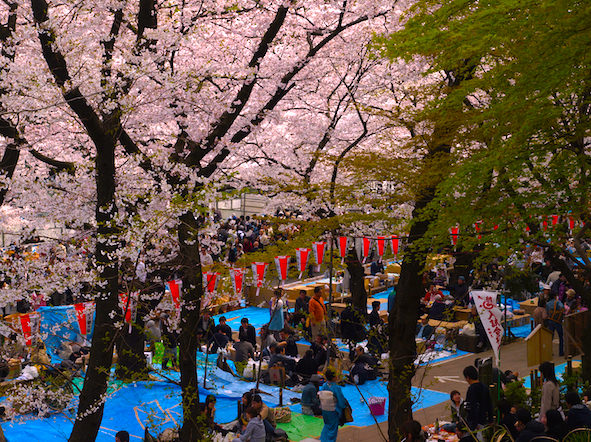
x: 224, y: 328
x: 460, y: 291
x: 288, y: 341
x: 578, y: 415
x: 528, y: 428
x: 478, y: 404
x: 248, y: 331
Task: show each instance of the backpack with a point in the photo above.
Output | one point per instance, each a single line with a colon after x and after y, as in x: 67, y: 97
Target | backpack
x: 556, y: 314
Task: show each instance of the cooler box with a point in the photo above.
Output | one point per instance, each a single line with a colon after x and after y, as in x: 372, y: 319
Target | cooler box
x: 377, y: 405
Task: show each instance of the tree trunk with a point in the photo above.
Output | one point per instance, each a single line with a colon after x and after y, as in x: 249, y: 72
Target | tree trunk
x: 91, y: 405
x: 357, y: 282
x: 131, y: 361
x: 190, y: 315
x: 402, y: 324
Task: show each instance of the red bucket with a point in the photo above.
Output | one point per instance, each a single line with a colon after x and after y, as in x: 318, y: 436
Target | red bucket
x: 377, y: 405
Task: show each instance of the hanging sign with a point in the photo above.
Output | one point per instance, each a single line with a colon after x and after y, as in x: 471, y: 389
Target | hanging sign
x: 30, y: 327
x: 302, y: 259
x: 319, y: 248
x: 175, y: 292
x: 454, y: 232
x: 490, y: 316
x: 395, y: 242
x: 343, y: 245
x: 237, y: 277
x: 282, y: 264
x: 366, y: 248
x: 258, y: 271
x: 381, y: 246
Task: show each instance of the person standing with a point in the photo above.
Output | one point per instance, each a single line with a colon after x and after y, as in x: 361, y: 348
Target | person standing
x: 317, y: 313
x: 540, y: 314
x: 301, y: 310
x: 550, y: 393
x: 276, y: 322
x: 555, y: 310
x: 332, y: 403
x: 478, y: 405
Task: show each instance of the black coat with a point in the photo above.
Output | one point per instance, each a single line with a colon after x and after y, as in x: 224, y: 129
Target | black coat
x: 579, y: 416
x: 249, y: 333
x: 532, y: 429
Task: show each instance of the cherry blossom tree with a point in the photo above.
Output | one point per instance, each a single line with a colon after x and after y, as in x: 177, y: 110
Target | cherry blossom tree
x: 151, y: 99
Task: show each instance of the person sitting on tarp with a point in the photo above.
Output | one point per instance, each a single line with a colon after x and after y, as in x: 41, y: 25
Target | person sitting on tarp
x: 310, y: 402
x: 307, y: 366
x: 224, y: 328
x: 219, y: 340
x: 364, y: 366
x: 249, y: 332
x: 374, y: 316
x: 255, y: 429
x: 377, y: 267
x: 320, y: 349
x: 278, y: 357
x: 39, y: 355
x: 438, y: 308
x: 209, y: 415
x: 424, y: 330
x: 288, y: 340
x: 268, y: 342
x: 264, y: 411
x: 352, y: 328
x: 460, y: 291
x: 243, y: 351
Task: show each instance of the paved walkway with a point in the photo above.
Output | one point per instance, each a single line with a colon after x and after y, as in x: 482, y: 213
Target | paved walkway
x: 445, y: 377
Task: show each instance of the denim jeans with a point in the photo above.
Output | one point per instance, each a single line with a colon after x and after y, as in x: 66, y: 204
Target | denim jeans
x: 558, y: 327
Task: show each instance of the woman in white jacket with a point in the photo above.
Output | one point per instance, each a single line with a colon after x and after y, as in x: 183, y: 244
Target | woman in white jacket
x: 550, y: 393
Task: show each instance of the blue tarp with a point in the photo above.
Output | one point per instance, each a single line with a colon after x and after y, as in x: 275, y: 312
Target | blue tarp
x: 256, y: 316
x: 146, y: 403
x: 558, y: 369
x: 59, y: 324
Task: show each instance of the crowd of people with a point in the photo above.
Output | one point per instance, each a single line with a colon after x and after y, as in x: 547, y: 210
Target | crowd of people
x: 471, y: 415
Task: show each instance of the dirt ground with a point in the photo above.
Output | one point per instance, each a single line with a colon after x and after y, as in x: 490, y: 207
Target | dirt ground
x: 445, y: 377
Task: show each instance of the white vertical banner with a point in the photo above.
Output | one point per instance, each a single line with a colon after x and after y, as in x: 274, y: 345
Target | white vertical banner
x: 490, y: 316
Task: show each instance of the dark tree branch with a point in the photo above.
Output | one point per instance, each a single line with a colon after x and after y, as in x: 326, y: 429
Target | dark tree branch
x: 222, y: 126
x: 285, y: 85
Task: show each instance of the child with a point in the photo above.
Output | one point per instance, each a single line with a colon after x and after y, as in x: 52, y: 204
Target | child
x: 255, y: 430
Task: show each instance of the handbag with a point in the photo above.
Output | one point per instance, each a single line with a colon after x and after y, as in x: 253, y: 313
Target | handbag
x: 346, y: 414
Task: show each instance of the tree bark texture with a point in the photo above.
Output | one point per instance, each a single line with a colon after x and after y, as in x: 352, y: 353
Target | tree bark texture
x: 190, y: 316
x: 357, y: 283
x: 402, y: 324
x: 91, y: 405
